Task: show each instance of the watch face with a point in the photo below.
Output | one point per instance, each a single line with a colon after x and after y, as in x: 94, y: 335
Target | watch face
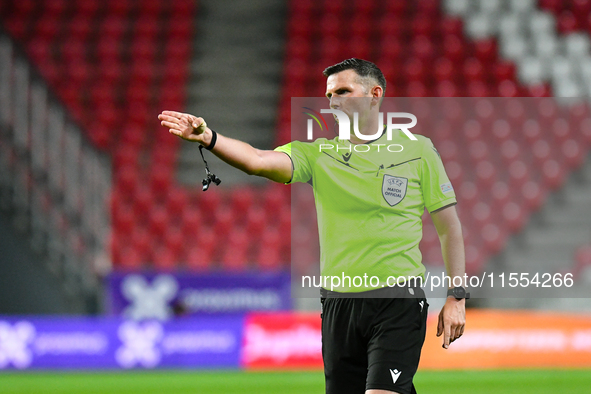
x: 459, y: 292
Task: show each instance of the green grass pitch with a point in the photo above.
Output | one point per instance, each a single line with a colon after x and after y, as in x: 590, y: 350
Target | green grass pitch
x: 229, y: 382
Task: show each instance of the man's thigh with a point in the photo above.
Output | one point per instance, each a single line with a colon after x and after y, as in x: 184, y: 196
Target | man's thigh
x: 372, y: 343
x: 394, y: 348
x: 344, y: 350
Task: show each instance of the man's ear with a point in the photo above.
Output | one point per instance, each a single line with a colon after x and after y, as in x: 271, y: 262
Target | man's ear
x: 376, y: 93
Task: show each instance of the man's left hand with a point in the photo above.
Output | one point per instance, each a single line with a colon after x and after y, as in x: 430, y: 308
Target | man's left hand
x: 452, y: 320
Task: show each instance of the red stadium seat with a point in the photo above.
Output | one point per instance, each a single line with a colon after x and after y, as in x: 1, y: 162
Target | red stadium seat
x: 474, y: 259
x: 533, y: 195
x: 40, y: 51
x: 256, y: 220
x: 269, y: 259
x: 567, y: 22
x: 48, y: 27
x: 540, y: 90
x: 160, y: 180
x: 120, y: 8
x: 146, y: 27
x: 109, y: 50
x: 510, y: 149
x: 130, y: 259
x: 198, y: 259
x: 360, y: 47
x: 574, y: 155
x: 163, y: 259
x: 501, y: 194
x: 542, y: 152
x: 486, y: 50
x: 478, y: 151
x: 73, y: 50
x: 478, y: 89
x: 158, y: 221
x: 174, y: 241
x: 485, y: 174
x: 234, y: 259
x: 508, y: 88
x: 424, y: 49
x: 397, y: 7
x: 518, y: 173
x: 113, y: 27
x: 152, y: 7
x: 504, y: 71
x: 560, y: 130
x: 494, y: 237
x: 224, y: 221
x: 553, y: 174
x: 241, y: 201
x: 474, y: 70
x: 513, y: 216
x: 452, y: 27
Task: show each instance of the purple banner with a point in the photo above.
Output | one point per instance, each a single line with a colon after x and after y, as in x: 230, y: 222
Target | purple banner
x: 161, y: 296
x: 95, y: 343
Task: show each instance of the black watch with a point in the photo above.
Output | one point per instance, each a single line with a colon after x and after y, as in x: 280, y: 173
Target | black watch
x: 459, y: 293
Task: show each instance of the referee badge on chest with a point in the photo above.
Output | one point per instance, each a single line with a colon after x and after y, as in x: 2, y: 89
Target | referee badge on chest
x: 394, y: 189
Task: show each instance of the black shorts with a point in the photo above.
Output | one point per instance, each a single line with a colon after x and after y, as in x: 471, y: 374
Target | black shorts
x: 373, y: 343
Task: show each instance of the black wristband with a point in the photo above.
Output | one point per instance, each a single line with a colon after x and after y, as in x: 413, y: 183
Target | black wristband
x: 214, y: 138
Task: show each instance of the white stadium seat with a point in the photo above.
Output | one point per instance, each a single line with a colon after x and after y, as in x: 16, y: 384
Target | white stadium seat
x: 457, y: 7
x: 515, y: 49
x: 532, y: 71
x: 577, y: 45
x: 481, y: 26
x: 584, y: 69
x: 522, y: 6
x: 510, y: 24
x: 546, y: 46
x: 490, y: 6
x: 542, y: 23
x: 567, y: 87
x: 562, y: 67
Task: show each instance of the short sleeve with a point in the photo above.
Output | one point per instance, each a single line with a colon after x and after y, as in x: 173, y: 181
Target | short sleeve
x: 436, y: 187
x: 299, y: 153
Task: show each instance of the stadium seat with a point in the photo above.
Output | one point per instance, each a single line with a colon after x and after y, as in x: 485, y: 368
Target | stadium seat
x: 158, y: 221
x: 130, y: 259
x: 513, y: 216
x: 494, y: 237
x: 164, y: 259
x: 518, y: 173
x: 553, y: 174
x: 269, y: 258
x: 198, y: 259
x: 533, y: 195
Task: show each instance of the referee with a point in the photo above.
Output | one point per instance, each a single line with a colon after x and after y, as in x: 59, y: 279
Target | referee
x: 369, y: 205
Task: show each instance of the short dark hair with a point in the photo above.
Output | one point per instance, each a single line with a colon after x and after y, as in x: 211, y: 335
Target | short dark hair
x: 363, y: 68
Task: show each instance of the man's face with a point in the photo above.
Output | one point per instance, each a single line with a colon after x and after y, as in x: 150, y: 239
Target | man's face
x: 342, y: 87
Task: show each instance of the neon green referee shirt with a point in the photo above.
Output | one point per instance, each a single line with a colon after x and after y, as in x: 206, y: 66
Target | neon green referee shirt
x: 369, y: 204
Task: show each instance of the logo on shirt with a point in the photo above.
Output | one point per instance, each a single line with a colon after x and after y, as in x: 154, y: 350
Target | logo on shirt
x: 446, y: 187
x: 347, y: 156
x: 395, y: 375
x: 394, y: 189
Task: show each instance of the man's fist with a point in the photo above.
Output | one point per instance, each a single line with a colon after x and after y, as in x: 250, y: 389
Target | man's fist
x: 186, y: 126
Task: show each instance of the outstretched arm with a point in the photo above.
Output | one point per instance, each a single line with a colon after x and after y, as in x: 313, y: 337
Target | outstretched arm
x: 452, y: 318
x: 275, y: 166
